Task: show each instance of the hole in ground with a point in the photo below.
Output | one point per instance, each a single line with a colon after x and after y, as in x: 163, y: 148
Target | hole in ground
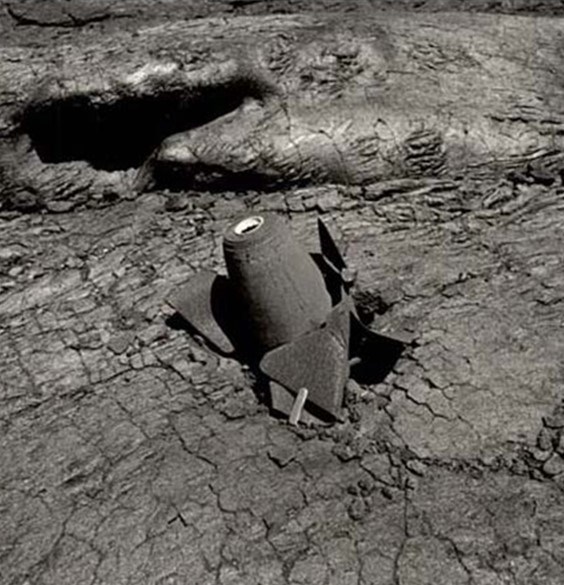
x: 369, y: 303
x: 122, y: 133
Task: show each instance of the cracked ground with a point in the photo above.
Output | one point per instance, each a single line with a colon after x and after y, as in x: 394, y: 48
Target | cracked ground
x: 130, y: 454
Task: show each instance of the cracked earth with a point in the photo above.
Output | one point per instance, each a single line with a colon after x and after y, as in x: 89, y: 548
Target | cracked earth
x: 130, y: 454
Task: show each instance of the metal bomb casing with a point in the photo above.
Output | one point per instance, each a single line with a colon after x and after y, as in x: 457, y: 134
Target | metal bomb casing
x: 280, y: 289
x: 296, y: 324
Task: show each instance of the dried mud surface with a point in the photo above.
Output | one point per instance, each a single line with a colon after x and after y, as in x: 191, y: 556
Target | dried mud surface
x: 130, y: 454
x: 67, y: 14
x: 61, y: 19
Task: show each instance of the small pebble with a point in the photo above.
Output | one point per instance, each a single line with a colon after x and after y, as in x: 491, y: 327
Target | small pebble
x: 345, y: 452
x: 282, y: 454
x: 328, y: 201
x: 15, y: 271
x: 152, y: 333
x: 555, y: 420
x: 60, y: 206
x: 540, y: 455
x: 366, y: 485
x: 546, y: 439
x: 553, y: 466
x: 416, y: 466
x: 357, y: 509
x: 119, y: 343
x: 295, y: 203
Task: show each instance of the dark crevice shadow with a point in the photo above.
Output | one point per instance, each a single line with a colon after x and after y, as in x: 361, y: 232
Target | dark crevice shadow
x: 120, y: 134
x: 211, y: 178
x: 261, y: 389
x: 378, y: 354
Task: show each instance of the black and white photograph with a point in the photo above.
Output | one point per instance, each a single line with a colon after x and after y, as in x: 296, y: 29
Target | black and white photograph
x: 282, y: 292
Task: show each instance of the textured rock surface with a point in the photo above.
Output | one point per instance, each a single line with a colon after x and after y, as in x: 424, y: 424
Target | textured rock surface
x: 274, y: 101
x: 130, y: 454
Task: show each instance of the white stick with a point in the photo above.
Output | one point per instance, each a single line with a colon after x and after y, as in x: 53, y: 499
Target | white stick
x: 298, y: 406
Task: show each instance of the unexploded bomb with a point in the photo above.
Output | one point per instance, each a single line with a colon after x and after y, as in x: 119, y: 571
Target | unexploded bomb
x: 288, y: 312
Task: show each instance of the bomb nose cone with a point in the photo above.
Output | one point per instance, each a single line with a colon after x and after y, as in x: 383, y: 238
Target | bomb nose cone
x: 281, y: 290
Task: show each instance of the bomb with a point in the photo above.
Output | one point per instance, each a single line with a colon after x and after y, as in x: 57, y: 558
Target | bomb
x: 288, y: 312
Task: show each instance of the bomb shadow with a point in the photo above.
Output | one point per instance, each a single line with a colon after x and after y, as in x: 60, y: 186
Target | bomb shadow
x: 374, y: 355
